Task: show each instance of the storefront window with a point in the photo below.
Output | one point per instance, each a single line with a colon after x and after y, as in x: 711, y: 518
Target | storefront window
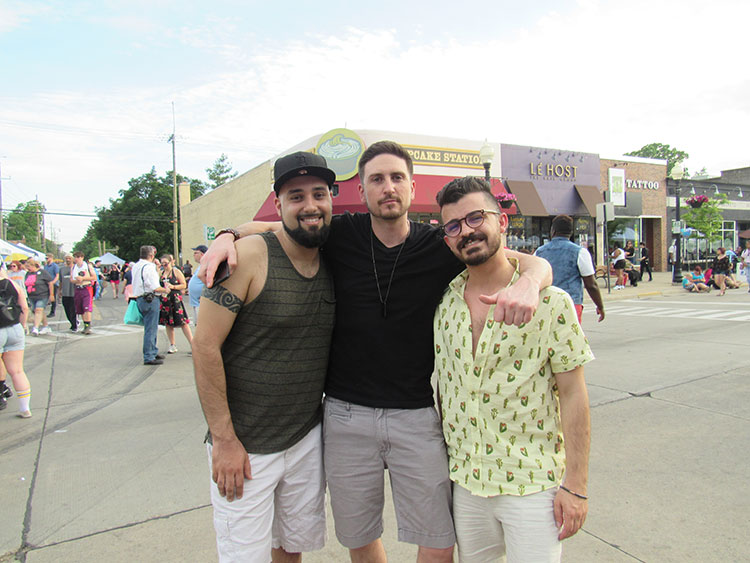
x: 728, y: 230
x: 526, y: 234
x: 622, y: 230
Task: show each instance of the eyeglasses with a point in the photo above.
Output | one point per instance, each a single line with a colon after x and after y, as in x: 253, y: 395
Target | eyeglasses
x: 13, y: 266
x: 473, y: 220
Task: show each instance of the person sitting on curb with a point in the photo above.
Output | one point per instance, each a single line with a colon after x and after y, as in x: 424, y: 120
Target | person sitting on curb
x: 693, y: 281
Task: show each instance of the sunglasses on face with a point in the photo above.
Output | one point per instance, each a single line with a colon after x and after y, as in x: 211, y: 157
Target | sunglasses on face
x: 473, y: 220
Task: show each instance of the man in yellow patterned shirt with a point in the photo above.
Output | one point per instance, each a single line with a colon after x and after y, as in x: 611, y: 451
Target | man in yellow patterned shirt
x: 508, y: 396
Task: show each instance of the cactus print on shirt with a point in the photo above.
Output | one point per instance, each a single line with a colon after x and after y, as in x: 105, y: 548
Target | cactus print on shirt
x: 500, y: 410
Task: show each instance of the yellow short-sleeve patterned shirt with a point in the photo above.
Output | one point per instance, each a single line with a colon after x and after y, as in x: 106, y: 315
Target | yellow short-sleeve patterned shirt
x: 500, y: 409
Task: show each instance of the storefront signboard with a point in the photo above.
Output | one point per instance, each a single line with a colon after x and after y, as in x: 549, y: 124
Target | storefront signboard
x: 617, y: 186
x: 341, y: 149
x: 641, y: 184
x: 434, y: 156
x: 554, y: 173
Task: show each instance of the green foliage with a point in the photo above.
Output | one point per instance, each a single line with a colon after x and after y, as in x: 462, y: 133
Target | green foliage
x: 88, y: 244
x: 221, y: 172
x: 141, y: 215
x: 665, y: 152
x: 708, y: 217
x: 22, y: 225
x: 22, y: 222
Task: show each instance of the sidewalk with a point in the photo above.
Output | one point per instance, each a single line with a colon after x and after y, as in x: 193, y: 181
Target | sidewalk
x: 661, y: 285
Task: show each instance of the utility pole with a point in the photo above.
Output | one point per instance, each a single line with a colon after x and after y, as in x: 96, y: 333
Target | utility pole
x: 174, y: 192
x: 2, y: 217
x: 38, y: 242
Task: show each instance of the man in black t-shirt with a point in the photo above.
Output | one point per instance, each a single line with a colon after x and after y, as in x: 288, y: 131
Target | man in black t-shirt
x: 389, y: 274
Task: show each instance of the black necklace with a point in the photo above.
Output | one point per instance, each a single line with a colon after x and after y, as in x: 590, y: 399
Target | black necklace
x: 384, y: 302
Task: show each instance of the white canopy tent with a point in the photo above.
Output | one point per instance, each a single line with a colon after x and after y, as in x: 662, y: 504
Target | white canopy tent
x: 10, y: 251
x: 107, y: 259
x: 36, y: 254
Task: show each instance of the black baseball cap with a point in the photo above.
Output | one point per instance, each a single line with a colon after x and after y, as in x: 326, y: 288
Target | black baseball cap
x: 202, y: 247
x: 298, y: 164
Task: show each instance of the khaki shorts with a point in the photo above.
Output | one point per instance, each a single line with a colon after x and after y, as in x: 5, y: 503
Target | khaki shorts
x: 283, y: 505
x: 359, y: 444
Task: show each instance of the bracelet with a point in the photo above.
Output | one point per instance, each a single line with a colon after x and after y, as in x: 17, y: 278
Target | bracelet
x: 234, y: 232
x: 567, y: 490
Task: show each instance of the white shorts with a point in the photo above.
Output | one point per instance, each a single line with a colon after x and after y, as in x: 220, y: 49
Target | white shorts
x: 521, y: 527
x: 12, y: 338
x: 283, y: 505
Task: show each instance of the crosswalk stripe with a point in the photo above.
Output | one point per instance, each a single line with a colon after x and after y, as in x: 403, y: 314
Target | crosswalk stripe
x: 722, y: 314
x: 704, y: 314
x: 109, y: 330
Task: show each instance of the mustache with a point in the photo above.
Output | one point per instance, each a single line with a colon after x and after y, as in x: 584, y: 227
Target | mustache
x: 392, y: 198
x: 470, y: 238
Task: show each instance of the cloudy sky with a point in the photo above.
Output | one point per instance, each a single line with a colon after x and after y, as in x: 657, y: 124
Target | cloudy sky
x: 86, y: 87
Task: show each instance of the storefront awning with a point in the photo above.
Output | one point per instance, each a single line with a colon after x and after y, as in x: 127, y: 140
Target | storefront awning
x: 590, y: 196
x: 527, y: 198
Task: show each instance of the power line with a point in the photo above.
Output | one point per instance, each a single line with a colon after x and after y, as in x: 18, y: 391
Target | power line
x: 92, y: 215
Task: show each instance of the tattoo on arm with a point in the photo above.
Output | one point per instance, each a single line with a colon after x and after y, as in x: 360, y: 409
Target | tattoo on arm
x: 223, y: 297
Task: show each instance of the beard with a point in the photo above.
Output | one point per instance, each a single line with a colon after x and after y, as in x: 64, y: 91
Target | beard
x: 477, y: 256
x: 307, y: 238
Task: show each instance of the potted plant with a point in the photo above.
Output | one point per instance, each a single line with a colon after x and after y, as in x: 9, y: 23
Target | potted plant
x: 505, y: 199
x: 696, y: 201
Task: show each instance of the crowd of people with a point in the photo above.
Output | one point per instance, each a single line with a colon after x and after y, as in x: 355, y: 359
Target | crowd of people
x: 27, y: 287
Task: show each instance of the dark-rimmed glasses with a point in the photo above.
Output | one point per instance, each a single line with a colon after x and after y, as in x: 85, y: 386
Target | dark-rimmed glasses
x: 473, y: 220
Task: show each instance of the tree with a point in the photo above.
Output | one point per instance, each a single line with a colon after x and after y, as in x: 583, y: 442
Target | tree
x: 88, y: 244
x: 26, y: 223
x: 141, y: 215
x: 707, y: 218
x: 665, y: 152
x: 221, y: 172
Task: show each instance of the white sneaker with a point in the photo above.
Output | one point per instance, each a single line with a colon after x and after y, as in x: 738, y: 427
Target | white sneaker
x: 172, y: 349
x: 34, y: 331
x: 45, y: 330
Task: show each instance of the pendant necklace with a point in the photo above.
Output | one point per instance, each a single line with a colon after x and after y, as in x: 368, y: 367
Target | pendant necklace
x: 384, y: 302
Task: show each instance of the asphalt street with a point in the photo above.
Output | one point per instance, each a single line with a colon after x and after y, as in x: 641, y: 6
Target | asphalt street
x: 112, y: 465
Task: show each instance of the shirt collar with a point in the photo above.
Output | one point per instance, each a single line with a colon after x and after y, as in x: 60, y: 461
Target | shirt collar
x: 458, y: 284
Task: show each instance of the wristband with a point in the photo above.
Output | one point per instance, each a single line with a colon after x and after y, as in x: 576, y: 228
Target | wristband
x: 234, y: 232
x: 567, y: 490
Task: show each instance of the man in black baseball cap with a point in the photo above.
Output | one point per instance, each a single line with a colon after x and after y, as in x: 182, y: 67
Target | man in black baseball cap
x: 261, y: 355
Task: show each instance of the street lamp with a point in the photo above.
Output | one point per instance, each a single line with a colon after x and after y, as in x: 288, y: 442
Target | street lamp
x: 486, y: 154
x: 677, y: 173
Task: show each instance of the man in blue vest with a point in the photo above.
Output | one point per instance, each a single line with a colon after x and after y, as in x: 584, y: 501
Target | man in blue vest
x: 572, y: 268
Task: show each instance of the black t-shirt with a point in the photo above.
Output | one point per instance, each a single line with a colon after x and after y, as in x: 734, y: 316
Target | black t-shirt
x: 376, y: 361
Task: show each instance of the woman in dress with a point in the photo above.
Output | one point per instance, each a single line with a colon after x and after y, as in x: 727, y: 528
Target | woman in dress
x: 721, y: 268
x: 12, y: 341
x: 114, y: 279
x: 172, y: 312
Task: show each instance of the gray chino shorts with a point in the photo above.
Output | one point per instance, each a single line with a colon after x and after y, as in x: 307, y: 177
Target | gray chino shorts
x: 359, y: 443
